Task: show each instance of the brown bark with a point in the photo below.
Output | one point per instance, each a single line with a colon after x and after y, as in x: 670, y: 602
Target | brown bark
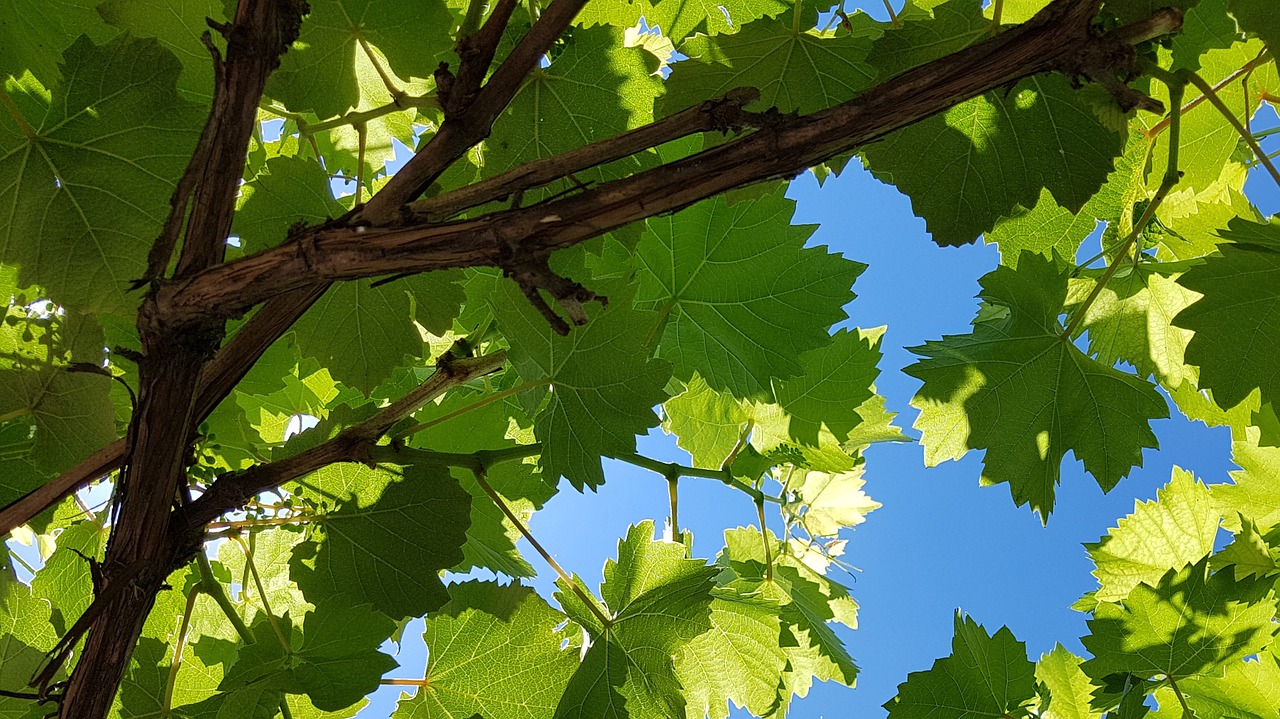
x: 181, y: 320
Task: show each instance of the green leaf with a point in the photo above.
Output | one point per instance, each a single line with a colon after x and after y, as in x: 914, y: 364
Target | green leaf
x: 25, y: 635
x: 1255, y: 492
x: 738, y: 659
x: 794, y: 71
x: 603, y: 384
x: 1176, y: 529
x: 114, y: 134
x: 66, y: 581
x: 925, y: 34
x: 1190, y: 623
x: 1258, y: 17
x: 739, y: 292
x: 707, y: 424
x: 978, y: 161
x: 390, y: 552
x: 319, y: 71
x: 70, y: 414
x: 681, y: 18
x: 1247, y: 690
x: 1204, y: 27
x: 336, y: 660
x: 808, y: 604
x: 1249, y: 554
x: 837, y: 380
x: 1069, y: 689
x: 597, y: 87
x: 492, y: 651
x: 985, y: 676
x: 177, y: 27
x: 657, y: 602
x: 1131, y: 320
x: 32, y: 35
x: 1236, y: 342
x: 1015, y: 388
x: 1128, y: 11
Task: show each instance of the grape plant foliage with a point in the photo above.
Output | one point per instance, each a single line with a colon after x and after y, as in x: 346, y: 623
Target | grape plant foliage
x: 591, y: 240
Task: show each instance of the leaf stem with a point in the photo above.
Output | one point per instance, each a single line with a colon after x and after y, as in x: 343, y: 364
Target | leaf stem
x: 1176, y: 85
x: 764, y: 537
x: 362, y: 136
x: 172, y: 681
x: 473, y: 406
x: 16, y: 114
x: 262, y: 594
x: 668, y: 469
x: 673, y: 494
x: 1186, y: 710
x: 210, y: 585
x: 1262, y: 59
x: 546, y: 556
x: 1235, y: 123
x: 396, y: 93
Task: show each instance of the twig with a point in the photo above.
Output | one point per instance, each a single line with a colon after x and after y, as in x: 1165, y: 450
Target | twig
x: 1234, y: 121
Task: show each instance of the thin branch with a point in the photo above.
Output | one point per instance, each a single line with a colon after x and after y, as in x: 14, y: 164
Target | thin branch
x: 176, y: 664
x: 1263, y: 58
x: 1171, y: 177
x: 669, y: 469
x: 490, y: 399
x: 1234, y: 121
x: 334, y: 253
x: 352, y: 444
x: 546, y: 556
x: 724, y: 114
x: 471, y: 124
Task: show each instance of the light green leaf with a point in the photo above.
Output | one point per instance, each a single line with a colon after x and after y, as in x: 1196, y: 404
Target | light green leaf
x: 1131, y: 320
x: 1070, y: 691
x: 1190, y: 623
x: 1017, y: 389
x: 985, y: 676
x: 837, y: 380
x: 809, y: 603
x: 390, y: 552
x: 1255, y: 492
x: 738, y: 659
x: 831, y: 501
x: 319, y: 71
x: 113, y: 135
x: 492, y: 651
x: 1247, y: 690
x: 25, y: 635
x: 603, y: 384
x: 1176, y: 529
x: 975, y: 163
x: 681, y: 18
x: 657, y: 602
x: 740, y: 293
x: 597, y: 87
x: 66, y: 580
x: 1249, y: 554
x: 795, y: 71
x: 707, y: 424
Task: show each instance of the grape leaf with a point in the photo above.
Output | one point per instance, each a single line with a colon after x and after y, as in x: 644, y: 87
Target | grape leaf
x: 927, y: 33
x: 143, y: 690
x: 657, y: 602
x: 1255, y: 492
x: 1131, y: 320
x: 1204, y: 27
x: 681, y: 18
x: 1017, y: 389
x: 794, y: 71
x: 65, y: 581
x: 597, y: 87
x: 831, y: 501
x: 492, y: 651
x: 985, y: 676
x: 336, y: 661
x: 738, y: 659
x: 1258, y: 17
x: 1190, y: 623
x: 808, y: 601
x: 604, y: 386
x: 177, y: 27
x: 1069, y: 689
x: 363, y: 551
x: 70, y: 413
x: 1176, y: 529
x: 975, y: 163
x: 32, y: 35
x: 837, y: 380
x: 1249, y: 554
x: 25, y: 635
x: 1247, y: 690
x: 114, y: 134
x: 707, y: 424
x: 740, y: 294
x: 319, y: 71
x: 1237, y: 336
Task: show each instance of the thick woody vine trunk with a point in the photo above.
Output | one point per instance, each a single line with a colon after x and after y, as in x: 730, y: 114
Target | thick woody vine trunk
x: 181, y: 319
